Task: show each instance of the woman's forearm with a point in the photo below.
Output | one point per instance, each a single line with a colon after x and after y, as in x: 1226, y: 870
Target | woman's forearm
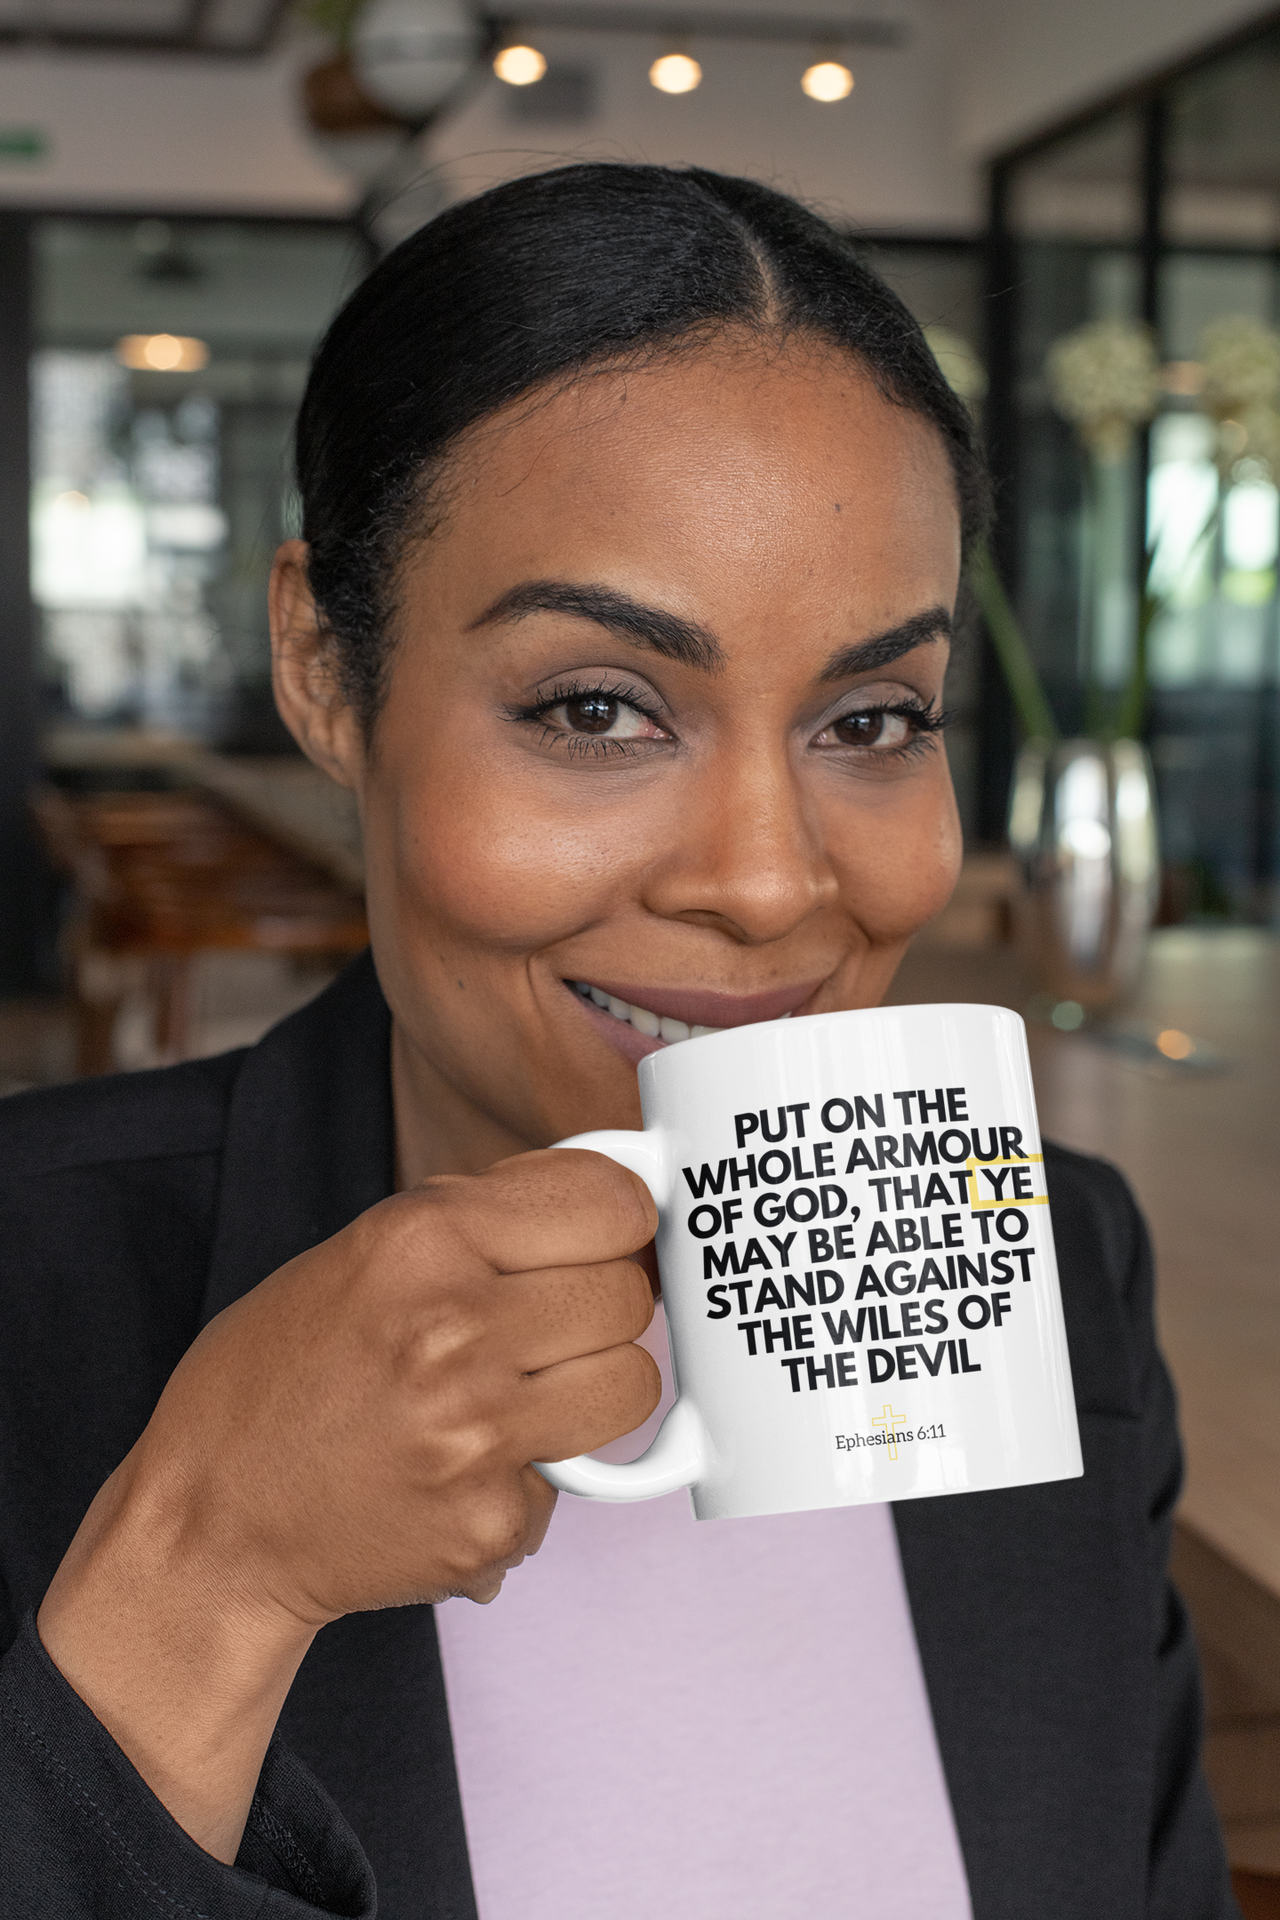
x: 185, y: 1672
x: 354, y: 1433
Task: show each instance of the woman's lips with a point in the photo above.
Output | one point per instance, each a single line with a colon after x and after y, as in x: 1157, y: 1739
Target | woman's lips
x: 638, y: 1011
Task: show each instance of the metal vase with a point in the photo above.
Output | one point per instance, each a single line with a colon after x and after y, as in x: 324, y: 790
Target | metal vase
x: 1082, y: 823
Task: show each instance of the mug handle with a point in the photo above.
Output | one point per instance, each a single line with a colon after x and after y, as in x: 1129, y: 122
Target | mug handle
x: 678, y: 1456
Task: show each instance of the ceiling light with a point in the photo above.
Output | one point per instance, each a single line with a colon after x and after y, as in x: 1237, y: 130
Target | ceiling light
x: 675, y: 73
x: 519, y: 66
x: 162, y: 353
x: 827, y: 80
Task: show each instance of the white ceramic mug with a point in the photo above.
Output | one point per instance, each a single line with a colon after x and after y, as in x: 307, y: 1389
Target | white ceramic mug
x: 857, y: 1265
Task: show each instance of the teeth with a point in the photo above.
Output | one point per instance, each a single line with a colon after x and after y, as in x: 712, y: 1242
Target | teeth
x: 652, y: 1025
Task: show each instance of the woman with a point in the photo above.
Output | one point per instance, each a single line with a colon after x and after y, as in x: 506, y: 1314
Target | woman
x: 634, y: 512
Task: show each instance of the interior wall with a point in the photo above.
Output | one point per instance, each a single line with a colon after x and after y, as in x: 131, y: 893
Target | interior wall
x: 168, y: 132
x: 163, y: 132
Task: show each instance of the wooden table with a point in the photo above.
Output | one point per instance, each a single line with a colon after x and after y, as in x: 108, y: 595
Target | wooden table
x: 161, y: 878
x: 283, y: 794
x: 1200, y: 1150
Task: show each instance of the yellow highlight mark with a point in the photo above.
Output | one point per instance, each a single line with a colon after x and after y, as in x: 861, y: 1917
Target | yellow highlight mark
x: 1012, y: 1160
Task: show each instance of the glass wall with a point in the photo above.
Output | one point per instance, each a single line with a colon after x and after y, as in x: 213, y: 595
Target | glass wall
x: 1160, y: 215
x: 160, y: 491
x: 169, y: 360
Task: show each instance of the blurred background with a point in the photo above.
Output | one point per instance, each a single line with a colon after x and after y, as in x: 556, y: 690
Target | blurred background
x: 1082, y: 207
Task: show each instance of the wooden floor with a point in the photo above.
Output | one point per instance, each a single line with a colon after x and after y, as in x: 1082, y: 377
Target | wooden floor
x: 1258, y: 1894
x: 1238, y: 1626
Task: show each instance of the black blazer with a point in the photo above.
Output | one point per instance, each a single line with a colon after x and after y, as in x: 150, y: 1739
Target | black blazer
x: 1059, y: 1662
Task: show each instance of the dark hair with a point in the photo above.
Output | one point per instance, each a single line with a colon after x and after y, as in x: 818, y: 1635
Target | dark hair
x: 533, y: 282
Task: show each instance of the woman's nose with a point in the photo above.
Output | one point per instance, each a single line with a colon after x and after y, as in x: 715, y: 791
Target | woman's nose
x: 748, y: 854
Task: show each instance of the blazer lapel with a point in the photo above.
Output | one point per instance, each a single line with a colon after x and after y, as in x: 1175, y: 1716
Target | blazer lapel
x: 309, y: 1141
x: 309, y: 1145
x: 1030, y: 1606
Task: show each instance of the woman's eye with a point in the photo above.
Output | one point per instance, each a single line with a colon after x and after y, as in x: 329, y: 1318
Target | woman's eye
x: 603, y: 716
x: 878, y: 727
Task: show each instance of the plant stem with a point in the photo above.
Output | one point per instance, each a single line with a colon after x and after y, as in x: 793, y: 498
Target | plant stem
x: 1129, y: 715
x: 1091, y: 546
x: 1034, y: 714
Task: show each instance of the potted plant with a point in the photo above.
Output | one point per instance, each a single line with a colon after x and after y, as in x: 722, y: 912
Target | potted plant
x: 1082, y: 818
x: 333, y: 99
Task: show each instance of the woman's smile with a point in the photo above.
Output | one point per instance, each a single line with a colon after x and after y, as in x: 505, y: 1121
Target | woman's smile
x: 641, y: 1020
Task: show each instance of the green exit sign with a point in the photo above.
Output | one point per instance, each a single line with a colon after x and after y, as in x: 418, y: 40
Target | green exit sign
x: 23, y: 143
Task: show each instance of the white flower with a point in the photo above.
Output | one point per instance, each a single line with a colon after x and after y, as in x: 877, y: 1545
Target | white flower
x: 1104, y: 378
x: 1241, y: 361
x: 1247, y: 438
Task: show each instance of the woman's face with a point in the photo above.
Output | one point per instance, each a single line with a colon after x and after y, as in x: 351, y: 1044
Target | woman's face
x: 657, y: 735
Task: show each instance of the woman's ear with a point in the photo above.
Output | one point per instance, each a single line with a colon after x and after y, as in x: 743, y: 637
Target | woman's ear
x: 304, y: 673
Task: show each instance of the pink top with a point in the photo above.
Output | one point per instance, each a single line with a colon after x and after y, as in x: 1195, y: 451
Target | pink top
x: 659, y: 1719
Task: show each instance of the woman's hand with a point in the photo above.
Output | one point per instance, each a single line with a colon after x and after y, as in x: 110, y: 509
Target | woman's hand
x: 357, y: 1432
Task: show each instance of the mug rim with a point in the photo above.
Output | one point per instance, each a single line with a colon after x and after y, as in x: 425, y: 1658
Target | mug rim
x: 789, y: 1025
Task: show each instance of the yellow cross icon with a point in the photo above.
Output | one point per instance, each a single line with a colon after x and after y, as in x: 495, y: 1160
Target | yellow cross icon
x: 888, y: 1419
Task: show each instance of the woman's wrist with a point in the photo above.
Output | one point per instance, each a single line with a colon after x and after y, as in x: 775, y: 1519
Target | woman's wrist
x: 178, y: 1650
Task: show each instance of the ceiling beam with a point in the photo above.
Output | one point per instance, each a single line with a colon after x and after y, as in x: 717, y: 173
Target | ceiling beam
x: 705, y: 24
x: 671, y: 22
x: 189, y: 40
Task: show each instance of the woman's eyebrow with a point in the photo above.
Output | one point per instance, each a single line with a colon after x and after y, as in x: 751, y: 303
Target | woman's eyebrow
x: 652, y: 627
x: 883, y: 648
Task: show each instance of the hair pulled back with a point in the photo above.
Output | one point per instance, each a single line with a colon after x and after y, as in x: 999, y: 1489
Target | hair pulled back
x: 532, y: 282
